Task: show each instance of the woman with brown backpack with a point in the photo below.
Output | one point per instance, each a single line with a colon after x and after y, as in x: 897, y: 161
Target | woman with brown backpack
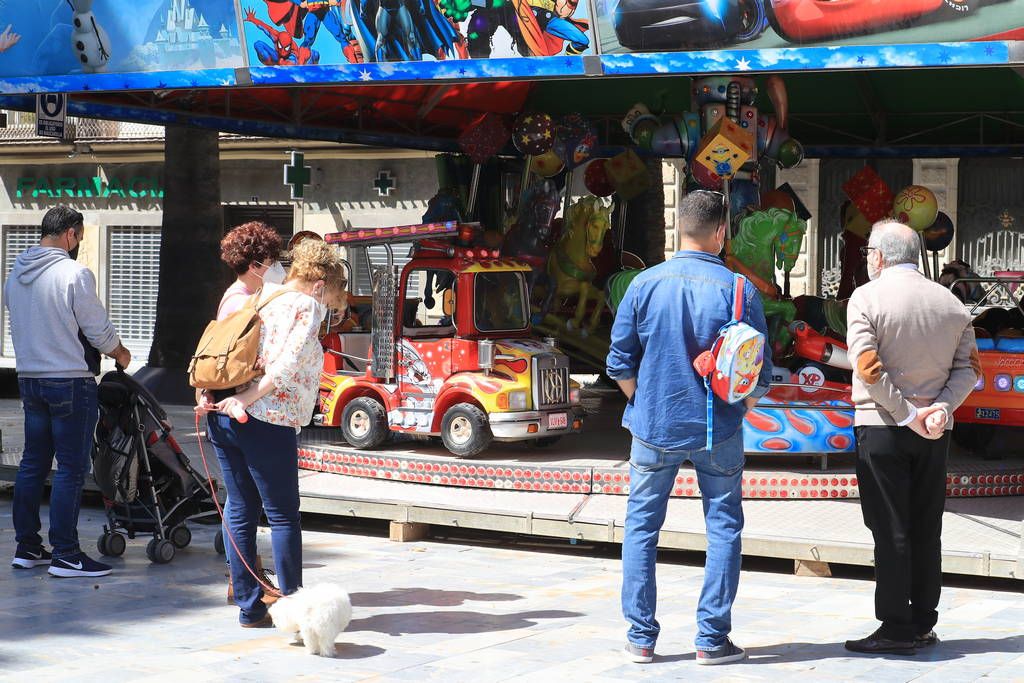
x: 254, y: 430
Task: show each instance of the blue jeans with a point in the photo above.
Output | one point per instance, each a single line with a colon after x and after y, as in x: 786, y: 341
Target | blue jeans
x: 260, y: 463
x: 652, y: 475
x: 60, y: 418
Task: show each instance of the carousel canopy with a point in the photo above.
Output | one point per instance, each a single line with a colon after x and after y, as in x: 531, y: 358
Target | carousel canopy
x: 919, y: 112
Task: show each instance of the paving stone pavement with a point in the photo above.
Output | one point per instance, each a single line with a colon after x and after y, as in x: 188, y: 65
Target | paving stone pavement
x: 449, y: 612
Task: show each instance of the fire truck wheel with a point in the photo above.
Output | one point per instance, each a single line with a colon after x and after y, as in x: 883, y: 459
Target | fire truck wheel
x: 465, y: 430
x: 364, y: 423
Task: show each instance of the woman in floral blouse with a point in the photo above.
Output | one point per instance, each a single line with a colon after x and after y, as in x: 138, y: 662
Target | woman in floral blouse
x: 259, y: 455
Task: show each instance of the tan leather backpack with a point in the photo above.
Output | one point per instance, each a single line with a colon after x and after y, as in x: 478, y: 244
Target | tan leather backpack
x: 227, y: 354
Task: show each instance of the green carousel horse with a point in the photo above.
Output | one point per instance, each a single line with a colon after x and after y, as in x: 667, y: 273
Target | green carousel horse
x: 769, y: 241
x: 570, y: 270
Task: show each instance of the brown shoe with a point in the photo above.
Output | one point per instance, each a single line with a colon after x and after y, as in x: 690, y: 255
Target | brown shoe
x: 266, y: 622
x: 264, y: 575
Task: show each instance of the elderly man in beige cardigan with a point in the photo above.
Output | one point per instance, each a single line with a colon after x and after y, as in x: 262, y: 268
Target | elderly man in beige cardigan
x: 915, y: 362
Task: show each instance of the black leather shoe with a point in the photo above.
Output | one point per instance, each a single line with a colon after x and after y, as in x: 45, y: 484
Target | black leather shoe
x: 875, y: 644
x: 926, y: 640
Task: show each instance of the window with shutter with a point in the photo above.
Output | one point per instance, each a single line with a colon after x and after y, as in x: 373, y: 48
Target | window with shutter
x: 17, y: 238
x: 378, y: 257
x: 133, y: 277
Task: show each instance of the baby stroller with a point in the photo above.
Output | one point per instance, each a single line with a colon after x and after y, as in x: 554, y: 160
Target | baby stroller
x: 147, y: 481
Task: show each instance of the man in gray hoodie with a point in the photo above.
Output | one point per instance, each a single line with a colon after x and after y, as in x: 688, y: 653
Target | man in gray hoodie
x: 59, y: 329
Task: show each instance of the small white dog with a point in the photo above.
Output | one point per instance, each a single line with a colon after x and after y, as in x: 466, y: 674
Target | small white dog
x: 314, y: 615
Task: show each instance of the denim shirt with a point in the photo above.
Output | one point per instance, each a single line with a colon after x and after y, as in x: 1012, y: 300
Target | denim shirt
x: 670, y: 314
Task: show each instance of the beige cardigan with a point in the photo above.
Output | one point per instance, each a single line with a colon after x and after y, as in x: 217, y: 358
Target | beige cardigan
x: 912, y: 344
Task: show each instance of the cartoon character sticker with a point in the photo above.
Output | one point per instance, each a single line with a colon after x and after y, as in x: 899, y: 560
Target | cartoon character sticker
x: 8, y: 39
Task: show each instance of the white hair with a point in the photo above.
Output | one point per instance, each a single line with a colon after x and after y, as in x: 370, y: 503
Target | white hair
x: 897, y: 242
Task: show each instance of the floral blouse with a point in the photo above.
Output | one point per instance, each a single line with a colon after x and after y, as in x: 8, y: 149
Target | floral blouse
x: 291, y: 353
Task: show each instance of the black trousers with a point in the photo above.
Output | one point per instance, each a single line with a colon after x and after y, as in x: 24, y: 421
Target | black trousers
x: 902, y: 480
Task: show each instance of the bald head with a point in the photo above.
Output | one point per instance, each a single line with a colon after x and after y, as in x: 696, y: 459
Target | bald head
x: 896, y: 242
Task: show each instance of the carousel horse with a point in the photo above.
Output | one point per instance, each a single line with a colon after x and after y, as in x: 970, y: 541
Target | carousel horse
x: 767, y: 241
x: 570, y: 268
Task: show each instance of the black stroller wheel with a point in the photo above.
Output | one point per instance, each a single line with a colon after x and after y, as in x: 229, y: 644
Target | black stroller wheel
x: 111, y: 544
x: 116, y: 544
x: 181, y: 536
x: 218, y: 542
x: 160, y: 551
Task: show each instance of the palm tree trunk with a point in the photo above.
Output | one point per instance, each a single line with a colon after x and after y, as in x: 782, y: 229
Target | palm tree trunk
x: 192, y: 278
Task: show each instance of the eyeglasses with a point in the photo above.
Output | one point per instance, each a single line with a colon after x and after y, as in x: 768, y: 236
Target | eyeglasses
x: 864, y: 251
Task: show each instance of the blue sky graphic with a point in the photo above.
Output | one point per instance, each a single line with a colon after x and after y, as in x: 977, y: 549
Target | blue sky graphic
x: 45, y: 29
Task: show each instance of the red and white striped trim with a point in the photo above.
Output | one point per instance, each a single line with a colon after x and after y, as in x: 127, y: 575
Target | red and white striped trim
x: 554, y: 478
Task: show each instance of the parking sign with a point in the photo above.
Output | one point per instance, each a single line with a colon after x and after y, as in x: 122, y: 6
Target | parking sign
x: 51, y: 111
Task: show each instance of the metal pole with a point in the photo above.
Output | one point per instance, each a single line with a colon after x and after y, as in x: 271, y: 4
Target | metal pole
x: 924, y: 256
x: 567, y: 200
x: 474, y: 186
x: 935, y: 265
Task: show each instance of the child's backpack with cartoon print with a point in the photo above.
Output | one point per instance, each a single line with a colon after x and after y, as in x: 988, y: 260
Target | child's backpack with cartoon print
x: 731, y: 368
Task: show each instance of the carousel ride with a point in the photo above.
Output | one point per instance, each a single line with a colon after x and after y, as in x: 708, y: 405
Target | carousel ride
x: 568, y: 251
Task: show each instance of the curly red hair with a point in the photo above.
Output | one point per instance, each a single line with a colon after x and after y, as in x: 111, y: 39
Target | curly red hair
x: 249, y: 243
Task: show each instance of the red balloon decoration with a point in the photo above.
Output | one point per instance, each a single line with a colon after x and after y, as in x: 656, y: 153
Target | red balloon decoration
x: 533, y: 134
x: 595, y: 179
x: 706, y: 178
x: 484, y: 138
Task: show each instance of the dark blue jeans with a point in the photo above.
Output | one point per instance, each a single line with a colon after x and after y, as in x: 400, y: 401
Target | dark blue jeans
x: 60, y: 418
x: 260, y: 462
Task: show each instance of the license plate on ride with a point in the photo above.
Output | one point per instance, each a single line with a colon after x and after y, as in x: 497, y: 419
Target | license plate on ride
x: 986, y: 413
x: 558, y: 421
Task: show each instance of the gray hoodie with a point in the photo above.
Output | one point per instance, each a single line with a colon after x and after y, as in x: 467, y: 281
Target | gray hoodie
x: 51, y: 299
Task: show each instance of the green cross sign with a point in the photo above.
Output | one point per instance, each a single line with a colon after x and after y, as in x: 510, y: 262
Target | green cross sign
x: 297, y: 175
x: 384, y: 183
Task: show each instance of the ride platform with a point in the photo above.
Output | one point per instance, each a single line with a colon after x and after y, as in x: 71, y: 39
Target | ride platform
x: 577, y: 488
x: 596, y: 462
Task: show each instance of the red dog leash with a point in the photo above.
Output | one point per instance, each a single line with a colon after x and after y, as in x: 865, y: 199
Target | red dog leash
x: 267, y: 588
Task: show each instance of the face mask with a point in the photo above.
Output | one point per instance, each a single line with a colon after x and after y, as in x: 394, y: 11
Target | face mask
x: 275, y: 274
x: 873, y: 272
x: 73, y: 253
x: 321, y: 308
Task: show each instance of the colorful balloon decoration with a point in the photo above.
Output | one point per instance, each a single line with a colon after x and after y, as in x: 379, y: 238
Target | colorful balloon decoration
x: 915, y: 206
x: 790, y: 154
x: 706, y: 178
x: 547, y: 165
x: 533, y: 134
x: 575, y: 140
x: 595, y: 179
x: 484, y: 138
x: 940, y: 234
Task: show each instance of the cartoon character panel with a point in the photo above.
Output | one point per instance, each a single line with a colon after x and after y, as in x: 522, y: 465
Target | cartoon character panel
x: 671, y: 25
x: 290, y: 33
x: 59, y: 37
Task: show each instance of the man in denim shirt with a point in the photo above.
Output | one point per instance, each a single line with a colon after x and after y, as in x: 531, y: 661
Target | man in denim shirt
x: 669, y: 315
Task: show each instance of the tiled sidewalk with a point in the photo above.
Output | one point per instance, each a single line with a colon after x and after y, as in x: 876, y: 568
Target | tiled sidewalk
x: 439, y: 611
